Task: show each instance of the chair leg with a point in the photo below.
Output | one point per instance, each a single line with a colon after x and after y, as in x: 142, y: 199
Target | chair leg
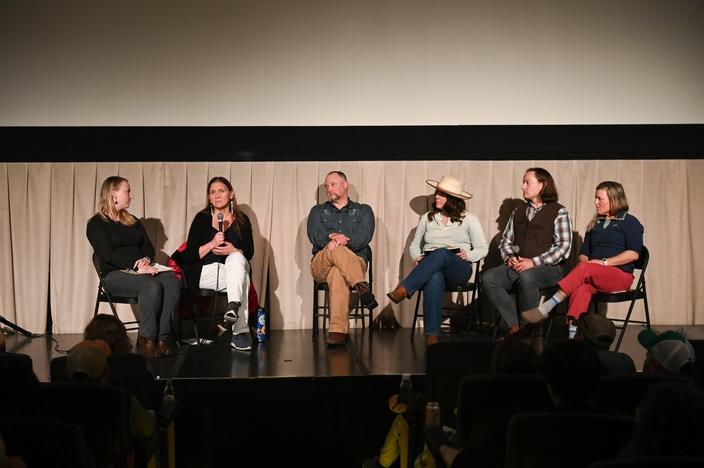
x: 97, y: 305
x: 315, y: 311
x: 326, y: 308
x: 497, y: 321
x: 415, y: 314
x: 645, y: 305
x: 625, y: 324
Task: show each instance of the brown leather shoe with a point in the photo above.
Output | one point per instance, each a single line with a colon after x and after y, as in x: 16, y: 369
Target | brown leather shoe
x: 336, y: 339
x: 398, y: 294
x: 513, y: 329
x: 165, y: 349
x: 149, y: 347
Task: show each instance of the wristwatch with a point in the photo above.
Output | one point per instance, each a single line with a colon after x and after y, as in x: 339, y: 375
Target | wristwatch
x: 605, y: 261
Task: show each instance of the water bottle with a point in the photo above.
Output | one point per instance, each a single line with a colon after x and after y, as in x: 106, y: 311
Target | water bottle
x: 261, y: 325
x: 168, y: 402
x: 432, y: 414
x: 406, y: 387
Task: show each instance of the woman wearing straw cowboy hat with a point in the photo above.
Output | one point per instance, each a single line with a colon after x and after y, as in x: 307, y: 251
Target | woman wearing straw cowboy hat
x: 447, y: 241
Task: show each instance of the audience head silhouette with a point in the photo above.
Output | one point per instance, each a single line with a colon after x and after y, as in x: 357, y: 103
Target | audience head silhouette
x: 669, y: 353
x: 88, y: 361
x: 513, y: 356
x: 111, y: 330
x: 596, y: 331
x: 669, y: 422
x: 572, y: 371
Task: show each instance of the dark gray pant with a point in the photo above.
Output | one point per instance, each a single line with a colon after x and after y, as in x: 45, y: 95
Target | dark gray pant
x: 158, y: 297
x: 497, y: 282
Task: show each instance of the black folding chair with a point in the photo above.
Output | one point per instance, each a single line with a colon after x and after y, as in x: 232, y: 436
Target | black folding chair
x: 632, y: 295
x: 112, y: 299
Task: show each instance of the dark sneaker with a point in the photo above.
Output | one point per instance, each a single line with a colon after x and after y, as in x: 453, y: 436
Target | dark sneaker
x: 241, y: 342
x: 366, y: 298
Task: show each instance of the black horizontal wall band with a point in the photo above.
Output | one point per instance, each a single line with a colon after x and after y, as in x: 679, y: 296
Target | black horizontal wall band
x: 359, y: 143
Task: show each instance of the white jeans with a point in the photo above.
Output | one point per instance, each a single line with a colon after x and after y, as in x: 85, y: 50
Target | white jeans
x: 232, y: 277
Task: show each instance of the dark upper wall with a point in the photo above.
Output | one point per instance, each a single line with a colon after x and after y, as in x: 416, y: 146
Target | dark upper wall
x: 60, y: 144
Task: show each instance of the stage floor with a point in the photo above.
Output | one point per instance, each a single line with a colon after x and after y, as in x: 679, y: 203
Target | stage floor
x: 293, y: 353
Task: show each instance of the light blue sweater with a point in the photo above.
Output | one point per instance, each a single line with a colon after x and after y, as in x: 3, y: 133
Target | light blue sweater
x: 468, y: 235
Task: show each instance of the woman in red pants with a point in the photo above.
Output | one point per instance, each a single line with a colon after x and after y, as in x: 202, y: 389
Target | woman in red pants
x: 611, y: 247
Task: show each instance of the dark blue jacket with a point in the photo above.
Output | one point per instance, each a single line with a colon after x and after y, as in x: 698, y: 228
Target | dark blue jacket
x: 605, y: 240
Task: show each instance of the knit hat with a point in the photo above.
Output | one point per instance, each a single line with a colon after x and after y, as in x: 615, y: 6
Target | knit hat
x: 88, y: 360
x: 669, y: 348
x: 597, y: 330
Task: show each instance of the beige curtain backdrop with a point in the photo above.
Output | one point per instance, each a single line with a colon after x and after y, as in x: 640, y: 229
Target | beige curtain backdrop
x: 46, y: 258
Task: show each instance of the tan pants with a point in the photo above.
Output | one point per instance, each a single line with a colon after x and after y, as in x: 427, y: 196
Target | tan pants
x: 340, y: 268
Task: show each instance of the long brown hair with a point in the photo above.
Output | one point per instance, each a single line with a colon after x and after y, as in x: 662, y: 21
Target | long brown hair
x: 108, y: 328
x: 549, y: 192
x: 454, y: 208
x: 617, y: 200
x: 106, y: 208
x: 237, y: 216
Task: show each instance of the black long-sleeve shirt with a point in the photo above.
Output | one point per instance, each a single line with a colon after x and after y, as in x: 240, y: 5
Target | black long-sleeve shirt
x: 202, y: 232
x: 117, y: 245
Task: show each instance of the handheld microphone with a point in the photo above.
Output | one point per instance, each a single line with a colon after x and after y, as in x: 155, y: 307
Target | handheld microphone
x: 515, y: 249
x: 221, y: 219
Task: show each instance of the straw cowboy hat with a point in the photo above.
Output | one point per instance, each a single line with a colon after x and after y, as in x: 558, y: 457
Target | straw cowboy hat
x: 451, y: 186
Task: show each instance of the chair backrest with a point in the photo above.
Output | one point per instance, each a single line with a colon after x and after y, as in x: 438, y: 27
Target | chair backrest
x: 44, y: 441
x: 96, y: 265
x: 102, y: 411
x: 642, y: 264
x: 559, y: 439
x: 126, y: 370
x: 616, y: 363
x: 643, y: 259
x: 20, y: 392
x: 625, y: 392
x: 486, y: 404
x: 446, y: 364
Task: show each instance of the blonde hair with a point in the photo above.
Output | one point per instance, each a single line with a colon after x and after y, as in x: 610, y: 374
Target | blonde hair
x: 106, y: 209
x: 617, y: 200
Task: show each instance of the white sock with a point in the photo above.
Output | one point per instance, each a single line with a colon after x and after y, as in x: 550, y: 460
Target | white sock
x: 548, y: 305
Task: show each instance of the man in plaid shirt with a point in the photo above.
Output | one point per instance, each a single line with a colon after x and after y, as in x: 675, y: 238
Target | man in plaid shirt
x: 534, y: 247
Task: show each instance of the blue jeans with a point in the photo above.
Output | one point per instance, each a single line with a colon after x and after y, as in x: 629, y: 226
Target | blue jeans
x: 438, y: 268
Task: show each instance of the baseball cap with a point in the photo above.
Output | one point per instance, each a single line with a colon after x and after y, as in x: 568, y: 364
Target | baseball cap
x: 88, y: 360
x: 670, y: 348
x: 597, y: 329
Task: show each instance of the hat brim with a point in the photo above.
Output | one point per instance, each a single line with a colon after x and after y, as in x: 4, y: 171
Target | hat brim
x: 647, y: 337
x: 464, y: 195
